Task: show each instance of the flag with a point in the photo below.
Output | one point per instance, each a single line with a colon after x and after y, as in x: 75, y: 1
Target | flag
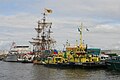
x: 87, y: 29
x: 79, y: 30
x: 55, y: 51
x: 48, y: 10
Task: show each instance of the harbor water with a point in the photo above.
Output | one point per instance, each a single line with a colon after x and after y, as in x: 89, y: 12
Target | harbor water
x: 23, y: 71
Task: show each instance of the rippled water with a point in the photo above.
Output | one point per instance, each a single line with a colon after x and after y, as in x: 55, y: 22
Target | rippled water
x: 20, y: 71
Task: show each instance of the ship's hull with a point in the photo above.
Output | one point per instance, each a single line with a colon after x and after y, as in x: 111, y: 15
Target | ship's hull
x: 11, y: 58
x: 77, y: 65
x: 113, y: 65
x: 27, y: 61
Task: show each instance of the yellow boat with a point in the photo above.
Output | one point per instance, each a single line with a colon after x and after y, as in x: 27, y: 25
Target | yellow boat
x: 76, y: 56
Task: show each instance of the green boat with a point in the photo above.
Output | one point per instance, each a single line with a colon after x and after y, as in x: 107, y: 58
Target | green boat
x: 113, y: 63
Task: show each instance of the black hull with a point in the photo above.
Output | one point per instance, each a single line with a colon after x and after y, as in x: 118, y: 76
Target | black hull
x: 113, y: 65
x: 27, y: 61
x: 73, y: 65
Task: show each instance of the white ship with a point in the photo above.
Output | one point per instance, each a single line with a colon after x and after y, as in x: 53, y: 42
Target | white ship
x: 16, y: 53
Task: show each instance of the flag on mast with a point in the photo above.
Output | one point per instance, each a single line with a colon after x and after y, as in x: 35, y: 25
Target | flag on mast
x: 87, y: 29
x: 48, y: 10
x: 79, y: 30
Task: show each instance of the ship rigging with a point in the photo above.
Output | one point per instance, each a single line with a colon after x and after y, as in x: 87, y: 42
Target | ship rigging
x: 43, y: 40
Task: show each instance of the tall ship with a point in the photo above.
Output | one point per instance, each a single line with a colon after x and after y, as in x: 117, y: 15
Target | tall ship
x: 43, y: 43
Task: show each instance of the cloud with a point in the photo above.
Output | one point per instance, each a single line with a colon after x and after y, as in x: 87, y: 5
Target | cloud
x: 18, y: 20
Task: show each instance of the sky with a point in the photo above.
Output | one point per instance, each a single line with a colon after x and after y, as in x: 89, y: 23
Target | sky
x: 18, y: 18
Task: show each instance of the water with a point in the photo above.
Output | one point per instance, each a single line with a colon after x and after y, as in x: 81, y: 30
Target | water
x: 20, y: 71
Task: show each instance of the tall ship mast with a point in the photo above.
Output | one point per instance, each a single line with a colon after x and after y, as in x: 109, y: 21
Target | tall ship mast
x: 43, y: 40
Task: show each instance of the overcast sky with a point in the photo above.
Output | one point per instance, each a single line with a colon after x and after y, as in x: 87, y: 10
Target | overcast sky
x: 18, y: 18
